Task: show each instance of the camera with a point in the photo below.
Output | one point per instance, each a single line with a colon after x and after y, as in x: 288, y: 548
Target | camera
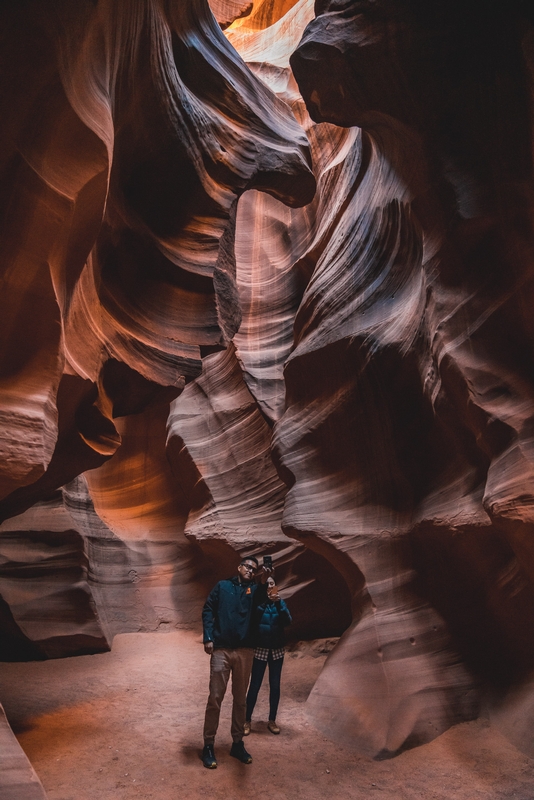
x: 268, y: 562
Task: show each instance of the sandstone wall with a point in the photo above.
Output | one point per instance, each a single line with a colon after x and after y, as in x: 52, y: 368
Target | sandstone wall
x: 271, y: 289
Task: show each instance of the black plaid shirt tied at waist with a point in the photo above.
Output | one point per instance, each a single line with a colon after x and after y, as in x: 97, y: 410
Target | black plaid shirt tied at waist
x: 262, y: 653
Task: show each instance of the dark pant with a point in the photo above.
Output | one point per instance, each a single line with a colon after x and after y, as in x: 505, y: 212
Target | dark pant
x: 223, y: 663
x: 258, y: 671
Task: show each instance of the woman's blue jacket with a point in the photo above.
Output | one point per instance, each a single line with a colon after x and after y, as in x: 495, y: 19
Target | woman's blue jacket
x: 270, y: 619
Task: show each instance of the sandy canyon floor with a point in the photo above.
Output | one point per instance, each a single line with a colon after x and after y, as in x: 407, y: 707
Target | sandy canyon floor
x: 127, y: 725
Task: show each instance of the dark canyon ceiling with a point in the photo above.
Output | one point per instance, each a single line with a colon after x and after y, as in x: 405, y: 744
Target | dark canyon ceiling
x: 268, y: 285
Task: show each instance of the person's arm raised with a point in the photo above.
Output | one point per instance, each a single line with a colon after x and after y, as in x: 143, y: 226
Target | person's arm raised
x: 262, y: 574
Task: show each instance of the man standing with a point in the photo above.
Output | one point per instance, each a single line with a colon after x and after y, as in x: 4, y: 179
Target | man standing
x: 226, y: 618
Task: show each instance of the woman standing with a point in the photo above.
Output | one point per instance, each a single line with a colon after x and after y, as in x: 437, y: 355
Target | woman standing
x: 271, y: 619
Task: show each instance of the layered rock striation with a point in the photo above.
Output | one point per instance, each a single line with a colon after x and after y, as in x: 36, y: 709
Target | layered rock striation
x: 140, y: 128
x: 19, y: 779
x: 210, y: 351
x: 421, y: 473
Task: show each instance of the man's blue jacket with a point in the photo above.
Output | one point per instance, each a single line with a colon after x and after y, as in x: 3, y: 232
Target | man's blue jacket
x: 228, y: 613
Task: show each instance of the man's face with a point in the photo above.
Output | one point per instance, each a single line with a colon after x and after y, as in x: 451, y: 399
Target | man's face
x: 246, y: 570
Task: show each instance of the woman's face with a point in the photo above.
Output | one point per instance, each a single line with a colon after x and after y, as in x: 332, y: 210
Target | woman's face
x: 270, y: 583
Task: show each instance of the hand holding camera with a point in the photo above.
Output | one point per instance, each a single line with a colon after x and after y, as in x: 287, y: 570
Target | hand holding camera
x: 266, y: 569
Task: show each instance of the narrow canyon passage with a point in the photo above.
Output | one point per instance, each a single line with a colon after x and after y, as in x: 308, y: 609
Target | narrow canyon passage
x: 267, y: 274
x: 127, y: 725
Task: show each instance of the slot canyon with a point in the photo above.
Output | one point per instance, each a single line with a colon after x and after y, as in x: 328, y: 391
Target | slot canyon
x: 268, y: 288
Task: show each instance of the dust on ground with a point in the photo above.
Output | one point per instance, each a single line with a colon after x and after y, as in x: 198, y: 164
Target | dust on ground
x: 127, y: 725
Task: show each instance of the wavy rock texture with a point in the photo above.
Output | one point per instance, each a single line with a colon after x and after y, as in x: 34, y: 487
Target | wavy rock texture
x: 383, y: 478
x: 351, y: 468
x: 219, y: 437
x: 256, y: 14
x: 347, y: 384
x: 47, y: 603
x: 17, y: 776
x: 146, y: 580
x: 227, y: 11
x: 414, y: 469
x: 333, y: 251
x: 139, y: 129
x: 145, y: 148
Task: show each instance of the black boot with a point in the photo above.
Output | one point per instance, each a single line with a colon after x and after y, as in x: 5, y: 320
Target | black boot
x: 238, y: 751
x: 208, y: 757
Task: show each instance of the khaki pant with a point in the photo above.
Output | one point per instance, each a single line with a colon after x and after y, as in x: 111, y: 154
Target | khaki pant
x: 224, y: 661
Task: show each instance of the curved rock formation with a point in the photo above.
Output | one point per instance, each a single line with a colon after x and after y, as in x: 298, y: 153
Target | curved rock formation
x: 417, y: 460
x: 212, y: 361
x: 121, y: 170
x: 48, y: 609
x: 17, y: 776
x: 221, y: 440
